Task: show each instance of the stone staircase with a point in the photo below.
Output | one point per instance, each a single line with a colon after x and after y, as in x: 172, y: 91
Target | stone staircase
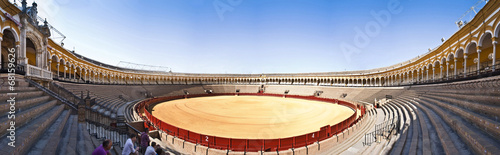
x: 42, y: 124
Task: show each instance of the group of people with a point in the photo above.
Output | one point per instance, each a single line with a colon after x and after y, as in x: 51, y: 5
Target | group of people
x: 129, y: 148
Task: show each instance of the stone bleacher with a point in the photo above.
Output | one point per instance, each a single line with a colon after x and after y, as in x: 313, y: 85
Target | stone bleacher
x: 452, y: 118
x: 43, y: 124
x: 460, y: 117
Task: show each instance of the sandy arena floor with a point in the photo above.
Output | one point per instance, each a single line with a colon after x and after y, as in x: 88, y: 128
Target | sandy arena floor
x: 250, y: 117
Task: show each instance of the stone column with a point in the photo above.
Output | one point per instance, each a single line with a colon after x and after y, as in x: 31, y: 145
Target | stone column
x: 494, y: 53
x: 69, y: 73
x: 427, y: 74
x: 447, y: 70
x: 57, y: 69
x: 65, y: 68
x: 465, y: 65
x: 433, y: 72
x: 18, y: 49
x: 22, y: 51
x: 1, y: 39
x: 44, y: 53
x: 441, y: 71
x: 455, y: 67
x: 479, y: 60
x: 38, y: 58
x: 418, y: 75
x: 50, y: 65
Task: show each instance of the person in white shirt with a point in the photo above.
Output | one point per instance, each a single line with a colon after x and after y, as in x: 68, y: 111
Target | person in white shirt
x: 150, y: 150
x: 128, y: 148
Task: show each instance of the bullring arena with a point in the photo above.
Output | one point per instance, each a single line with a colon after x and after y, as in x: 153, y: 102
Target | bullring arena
x: 250, y: 122
x: 251, y: 117
x: 444, y: 101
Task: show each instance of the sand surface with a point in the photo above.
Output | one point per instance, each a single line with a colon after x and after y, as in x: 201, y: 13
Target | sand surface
x: 250, y: 117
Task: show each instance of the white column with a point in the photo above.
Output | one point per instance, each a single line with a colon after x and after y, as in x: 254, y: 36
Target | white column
x: 1, y: 39
x: 57, y: 69
x: 50, y: 65
x: 455, y: 67
x: 64, y: 71
x: 465, y: 65
x: 494, y: 53
x: 433, y: 73
x: 81, y: 75
x: 418, y: 76
x: 22, y: 60
x: 412, y: 77
x: 427, y: 72
x: 38, y: 59
x: 478, y: 60
x: 441, y: 71
x: 447, y: 70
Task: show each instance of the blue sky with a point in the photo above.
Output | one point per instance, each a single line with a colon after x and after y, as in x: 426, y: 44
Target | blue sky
x: 254, y: 36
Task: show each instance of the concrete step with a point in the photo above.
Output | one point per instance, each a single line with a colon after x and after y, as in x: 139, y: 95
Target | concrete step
x: 354, y: 139
x: 6, y: 89
x: 468, y: 134
x: 22, y: 103
x: 20, y: 95
x: 71, y: 146
x: 424, y: 144
x: 27, y: 135
x: 19, y: 81
x: 477, y: 98
x: 25, y: 116
x: 445, y: 136
x: 486, y: 124
x: 476, y: 107
x: 47, y: 144
x: 84, y: 143
x: 65, y: 136
x: 408, y: 141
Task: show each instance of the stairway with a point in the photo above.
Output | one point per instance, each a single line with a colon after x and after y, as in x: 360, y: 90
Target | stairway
x: 42, y: 123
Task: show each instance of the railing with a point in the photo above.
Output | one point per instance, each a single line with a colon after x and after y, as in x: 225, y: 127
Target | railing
x: 382, y: 130
x: 19, y: 69
x: 53, y: 94
x: 251, y: 145
x: 33, y: 71
x: 63, y: 92
x: 472, y: 73
x: 105, y: 126
x: 105, y: 131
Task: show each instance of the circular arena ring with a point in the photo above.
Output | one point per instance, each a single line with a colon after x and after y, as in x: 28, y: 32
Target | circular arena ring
x: 249, y: 122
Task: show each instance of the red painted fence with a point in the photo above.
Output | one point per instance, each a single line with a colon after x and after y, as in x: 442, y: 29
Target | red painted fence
x: 248, y: 145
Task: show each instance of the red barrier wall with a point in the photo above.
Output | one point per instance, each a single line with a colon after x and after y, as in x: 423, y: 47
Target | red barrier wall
x: 249, y: 145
